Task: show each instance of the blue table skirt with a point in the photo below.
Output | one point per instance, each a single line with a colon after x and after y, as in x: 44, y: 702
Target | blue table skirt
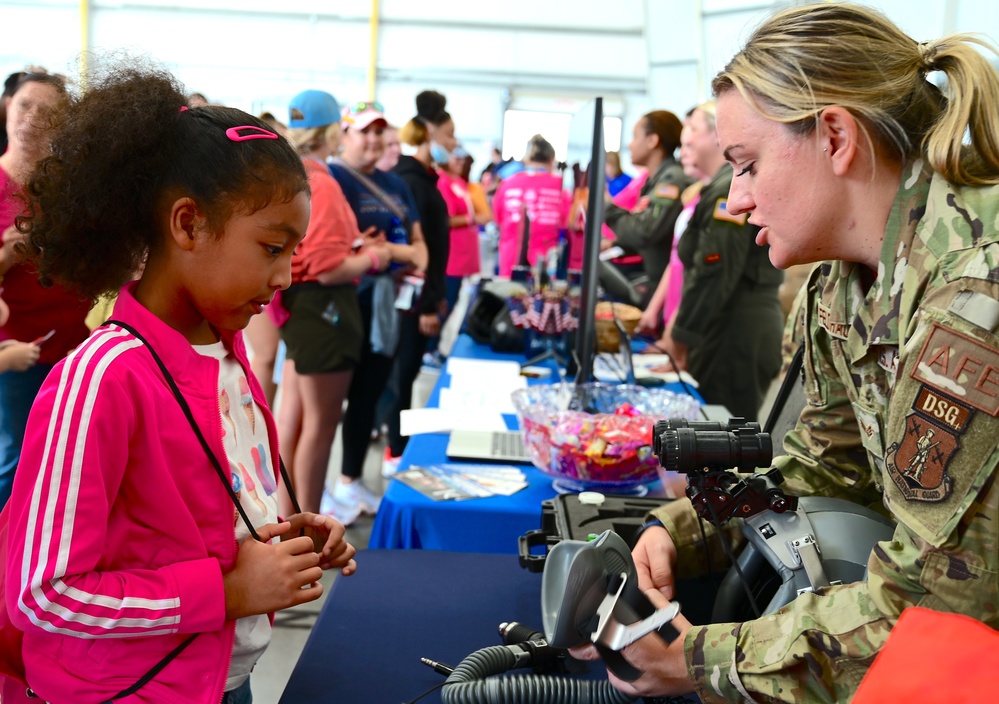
x: 366, y: 645
x: 408, y: 519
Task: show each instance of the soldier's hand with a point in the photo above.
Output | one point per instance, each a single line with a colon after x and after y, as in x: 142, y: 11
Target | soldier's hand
x: 655, y: 561
x: 663, y: 667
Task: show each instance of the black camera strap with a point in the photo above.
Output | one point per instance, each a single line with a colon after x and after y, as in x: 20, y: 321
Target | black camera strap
x: 155, y: 669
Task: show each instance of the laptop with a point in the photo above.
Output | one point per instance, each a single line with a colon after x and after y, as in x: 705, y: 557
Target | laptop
x: 487, y: 445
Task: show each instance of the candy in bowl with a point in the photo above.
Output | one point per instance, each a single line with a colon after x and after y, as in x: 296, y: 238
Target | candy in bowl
x: 597, y: 436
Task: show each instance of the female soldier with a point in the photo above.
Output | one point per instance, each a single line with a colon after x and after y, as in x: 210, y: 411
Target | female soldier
x: 648, y: 228
x: 844, y: 151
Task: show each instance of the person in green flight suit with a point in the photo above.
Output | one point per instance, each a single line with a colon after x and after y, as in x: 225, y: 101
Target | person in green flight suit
x: 845, y: 154
x: 727, y: 329
x: 647, y: 229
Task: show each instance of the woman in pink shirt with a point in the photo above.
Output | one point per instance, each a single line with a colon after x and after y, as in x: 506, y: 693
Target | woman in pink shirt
x: 537, y: 192
x: 463, y: 254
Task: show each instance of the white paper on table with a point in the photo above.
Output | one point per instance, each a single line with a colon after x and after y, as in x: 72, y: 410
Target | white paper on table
x: 415, y: 421
x: 476, y: 373
x: 488, y: 396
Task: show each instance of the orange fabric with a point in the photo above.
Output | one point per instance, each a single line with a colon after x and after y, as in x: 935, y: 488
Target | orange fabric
x: 479, y: 201
x: 932, y: 657
x: 332, y: 227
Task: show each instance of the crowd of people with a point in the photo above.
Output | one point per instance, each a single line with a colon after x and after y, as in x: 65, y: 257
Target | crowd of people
x: 181, y: 227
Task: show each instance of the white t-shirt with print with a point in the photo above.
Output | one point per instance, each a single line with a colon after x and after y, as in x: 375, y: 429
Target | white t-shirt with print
x: 244, y: 436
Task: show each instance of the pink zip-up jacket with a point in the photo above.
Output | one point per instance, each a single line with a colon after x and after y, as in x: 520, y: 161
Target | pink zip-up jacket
x: 120, y: 528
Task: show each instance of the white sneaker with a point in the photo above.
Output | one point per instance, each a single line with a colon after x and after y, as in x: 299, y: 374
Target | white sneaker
x: 346, y: 514
x: 356, y: 495
x: 390, y: 464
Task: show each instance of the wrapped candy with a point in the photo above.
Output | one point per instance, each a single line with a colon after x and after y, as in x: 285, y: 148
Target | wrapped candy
x: 610, y: 449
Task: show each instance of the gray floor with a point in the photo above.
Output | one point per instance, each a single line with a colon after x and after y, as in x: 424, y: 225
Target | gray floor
x: 292, y: 626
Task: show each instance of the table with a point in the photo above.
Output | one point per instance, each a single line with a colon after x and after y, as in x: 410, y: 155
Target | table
x: 402, y: 605
x: 408, y: 519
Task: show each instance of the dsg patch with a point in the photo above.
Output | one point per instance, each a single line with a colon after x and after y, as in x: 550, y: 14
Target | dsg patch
x: 917, y: 463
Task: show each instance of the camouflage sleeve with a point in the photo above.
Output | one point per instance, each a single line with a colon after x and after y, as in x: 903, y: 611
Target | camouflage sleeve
x: 698, y: 544
x: 939, y: 482
x: 718, y: 265
x: 651, y: 221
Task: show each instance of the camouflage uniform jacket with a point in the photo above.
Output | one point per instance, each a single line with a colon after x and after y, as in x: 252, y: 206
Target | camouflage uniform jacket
x: 902, y: 381
x: 648, y: 229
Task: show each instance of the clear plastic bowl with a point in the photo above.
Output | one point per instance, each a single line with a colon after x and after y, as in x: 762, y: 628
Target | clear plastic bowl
x: 597, y: 437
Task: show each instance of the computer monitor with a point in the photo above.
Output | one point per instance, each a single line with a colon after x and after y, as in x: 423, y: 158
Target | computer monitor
x: 586, y: 148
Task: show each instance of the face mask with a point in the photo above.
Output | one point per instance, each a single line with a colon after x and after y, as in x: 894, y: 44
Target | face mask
x: 439, y: 154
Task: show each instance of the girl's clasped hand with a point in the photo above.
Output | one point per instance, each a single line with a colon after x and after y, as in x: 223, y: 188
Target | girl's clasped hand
x: 272, y: 576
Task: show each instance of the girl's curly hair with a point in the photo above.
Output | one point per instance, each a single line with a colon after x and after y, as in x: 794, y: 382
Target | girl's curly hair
x: 122, y: 155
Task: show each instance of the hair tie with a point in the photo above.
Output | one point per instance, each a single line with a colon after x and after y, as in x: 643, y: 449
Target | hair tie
x: 252, y: 132
x: 927, y: 56
x: 184, y: 108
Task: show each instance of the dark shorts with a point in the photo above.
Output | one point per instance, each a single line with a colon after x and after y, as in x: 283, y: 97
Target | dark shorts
x: 325, y: 332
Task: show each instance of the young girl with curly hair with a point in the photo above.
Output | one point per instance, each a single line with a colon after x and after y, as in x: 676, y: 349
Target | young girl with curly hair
x: 150, y: 454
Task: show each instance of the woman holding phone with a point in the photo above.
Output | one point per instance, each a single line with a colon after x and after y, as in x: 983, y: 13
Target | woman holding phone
x: 38, y: 312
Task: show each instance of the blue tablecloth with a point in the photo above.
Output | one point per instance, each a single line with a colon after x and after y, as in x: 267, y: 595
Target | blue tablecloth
x: 408, y: 519
x: 401, y: 605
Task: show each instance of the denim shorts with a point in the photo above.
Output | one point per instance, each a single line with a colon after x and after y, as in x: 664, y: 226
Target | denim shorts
x: 240, y: 695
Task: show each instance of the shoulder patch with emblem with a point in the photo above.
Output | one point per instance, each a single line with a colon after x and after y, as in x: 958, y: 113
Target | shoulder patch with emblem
x: 667, y: 190
x: 960, y: 366
x: 721, y: 213
x: 917, y: 462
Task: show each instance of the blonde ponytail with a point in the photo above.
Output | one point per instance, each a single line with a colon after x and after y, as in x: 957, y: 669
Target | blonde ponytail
x: 972, y: 109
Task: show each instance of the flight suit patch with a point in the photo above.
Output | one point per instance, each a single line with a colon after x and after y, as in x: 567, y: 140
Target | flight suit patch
x: 721, y: 213
x: 917, y: 463
x: 960, y: 366
x: 667, y: 190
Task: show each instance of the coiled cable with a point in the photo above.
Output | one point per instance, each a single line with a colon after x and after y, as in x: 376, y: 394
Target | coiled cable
x: 468, y: 683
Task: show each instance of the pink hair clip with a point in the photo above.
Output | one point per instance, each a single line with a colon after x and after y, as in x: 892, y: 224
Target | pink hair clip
x: 183, y: 108
x: 254, y: 132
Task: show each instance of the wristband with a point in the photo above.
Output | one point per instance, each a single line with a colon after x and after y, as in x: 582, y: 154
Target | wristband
x: 644, y: 527
x: 376, y: 265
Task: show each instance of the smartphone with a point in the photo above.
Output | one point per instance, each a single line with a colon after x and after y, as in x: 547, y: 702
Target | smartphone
x: 44, y: 338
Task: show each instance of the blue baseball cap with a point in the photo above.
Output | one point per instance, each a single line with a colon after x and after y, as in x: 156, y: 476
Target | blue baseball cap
x: 313, y: 108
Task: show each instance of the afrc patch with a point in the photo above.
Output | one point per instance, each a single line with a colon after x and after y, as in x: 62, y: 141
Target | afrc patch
x: 960, y: 366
